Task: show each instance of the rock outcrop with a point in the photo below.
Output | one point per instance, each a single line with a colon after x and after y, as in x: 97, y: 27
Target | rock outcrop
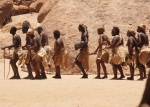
x: 36, y: 6
x: 6, y: 7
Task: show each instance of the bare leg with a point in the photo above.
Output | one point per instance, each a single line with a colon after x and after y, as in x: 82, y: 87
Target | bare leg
x: 15, y: 68
x: 57, y: 75
x: 121, y: 72
x: 98, y: 69
x: 115, y: 71
x: 82, y: 69
x: 104, y: 69
x: 30, y: 75
x: 131, y: 72
x: 42, y: 71
x: 37, y: 73
x: 141, y: 70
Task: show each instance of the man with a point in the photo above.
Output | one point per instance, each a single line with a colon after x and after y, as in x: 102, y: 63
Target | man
x: 38, y: 56
x: 45, y: 44
x: 17, y: 54
x: 25, y: 27
x: 143, y: 43
x: 103, y: 54
x: 132, y: 50
x: 118, y: 53
x: 82, y: 59
x: 59, y: 52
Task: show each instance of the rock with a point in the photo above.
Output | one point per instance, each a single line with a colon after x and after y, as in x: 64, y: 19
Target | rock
x: 66, y: 15
x: 6, y: 7
x: 21, y: 9
x: 36, y: 6
x: 46, y: 8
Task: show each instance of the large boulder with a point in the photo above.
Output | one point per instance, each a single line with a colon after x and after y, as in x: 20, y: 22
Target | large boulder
x: 6, y: 7
x: 66, y: 15
x: 36, y: 6
x: 46, y: 8
x: 21, y: 9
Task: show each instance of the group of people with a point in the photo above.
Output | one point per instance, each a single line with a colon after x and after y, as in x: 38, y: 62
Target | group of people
x: 38, y: 52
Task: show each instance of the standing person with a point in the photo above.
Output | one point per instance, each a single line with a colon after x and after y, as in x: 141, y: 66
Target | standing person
x: 103, y: 54
x: 59, y: 52
x: 118, y: 53
x: 132, y: 50
x: 82, y: 59
x: 39, y: 60
x: 25, y: 27
x: 143, y: 43
x: 45, y: 44
x: 17, y: 54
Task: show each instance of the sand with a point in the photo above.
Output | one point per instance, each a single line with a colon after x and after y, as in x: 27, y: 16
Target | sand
x: 70, y: 91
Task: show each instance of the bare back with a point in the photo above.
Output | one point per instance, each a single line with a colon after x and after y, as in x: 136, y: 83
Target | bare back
x: 44, y: 39
x: 142, y: 40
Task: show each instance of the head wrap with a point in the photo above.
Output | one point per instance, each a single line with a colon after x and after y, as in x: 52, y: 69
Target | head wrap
x: 30, y: 32
x: 132, y: 32
x: 143, y: 27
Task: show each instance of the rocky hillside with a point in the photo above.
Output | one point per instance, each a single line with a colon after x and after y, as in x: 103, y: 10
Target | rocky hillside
x: 66, y: 15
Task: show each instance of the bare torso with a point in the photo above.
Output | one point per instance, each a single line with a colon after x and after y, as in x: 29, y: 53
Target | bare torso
x: 44, y: 39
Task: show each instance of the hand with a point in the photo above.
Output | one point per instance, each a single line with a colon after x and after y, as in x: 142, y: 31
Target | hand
x: 3, y: 48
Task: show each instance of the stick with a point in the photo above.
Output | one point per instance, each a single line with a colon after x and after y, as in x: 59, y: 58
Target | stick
x: 4, y: 63
x: 9, y: 67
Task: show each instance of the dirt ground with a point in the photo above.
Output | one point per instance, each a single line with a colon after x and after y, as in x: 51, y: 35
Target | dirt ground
x: 70, y: 91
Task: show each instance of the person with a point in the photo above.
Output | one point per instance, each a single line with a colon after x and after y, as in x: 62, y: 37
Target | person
x: 118, y: 53
x: 39, y: 60
x: 17, y: 54
x: 143, y: 43
x: 103, y: 54
x: 132, y: 50
x: 25, y: 26
x: 45, y: 44
x: 59, y: 54
x: 82, y: 59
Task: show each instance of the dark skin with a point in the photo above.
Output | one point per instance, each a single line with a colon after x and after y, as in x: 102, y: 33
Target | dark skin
x: 85, y: 39
x: 16, y: 44
x: 28, y: 43
x: 103, y: 41
x: 113, y: 44
x: 131, y: 43
x: 142, y: 41
x: 59, y: 47
x: 43, y: 37
x: 35, y: 46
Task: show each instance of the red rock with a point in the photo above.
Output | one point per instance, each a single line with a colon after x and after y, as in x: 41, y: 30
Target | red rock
x: 6, y: 7
x: 46, y: 8
x: 21, y: 9
x: 36, y: 6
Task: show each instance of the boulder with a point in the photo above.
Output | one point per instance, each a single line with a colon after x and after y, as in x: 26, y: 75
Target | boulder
x: 46, y: 8
x: 21, y: 9
x: 6, y: 7
x: 66, y: 15
x: 36, y: 6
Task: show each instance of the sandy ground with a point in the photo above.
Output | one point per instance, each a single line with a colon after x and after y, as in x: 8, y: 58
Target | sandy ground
x: 70, y: 91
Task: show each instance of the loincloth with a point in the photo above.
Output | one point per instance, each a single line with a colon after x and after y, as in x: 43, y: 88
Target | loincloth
x: 118, y: 55
x: 83, y: 57
x: 48, y: 50
x: 19, y: 53
x: 40, y: 57
x: 144, y: 55
x: 103, y: 54
x: 61, y: 59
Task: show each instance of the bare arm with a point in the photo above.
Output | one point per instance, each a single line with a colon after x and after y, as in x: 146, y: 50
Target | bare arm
x: 114, y: 41
x: 130, y: 45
